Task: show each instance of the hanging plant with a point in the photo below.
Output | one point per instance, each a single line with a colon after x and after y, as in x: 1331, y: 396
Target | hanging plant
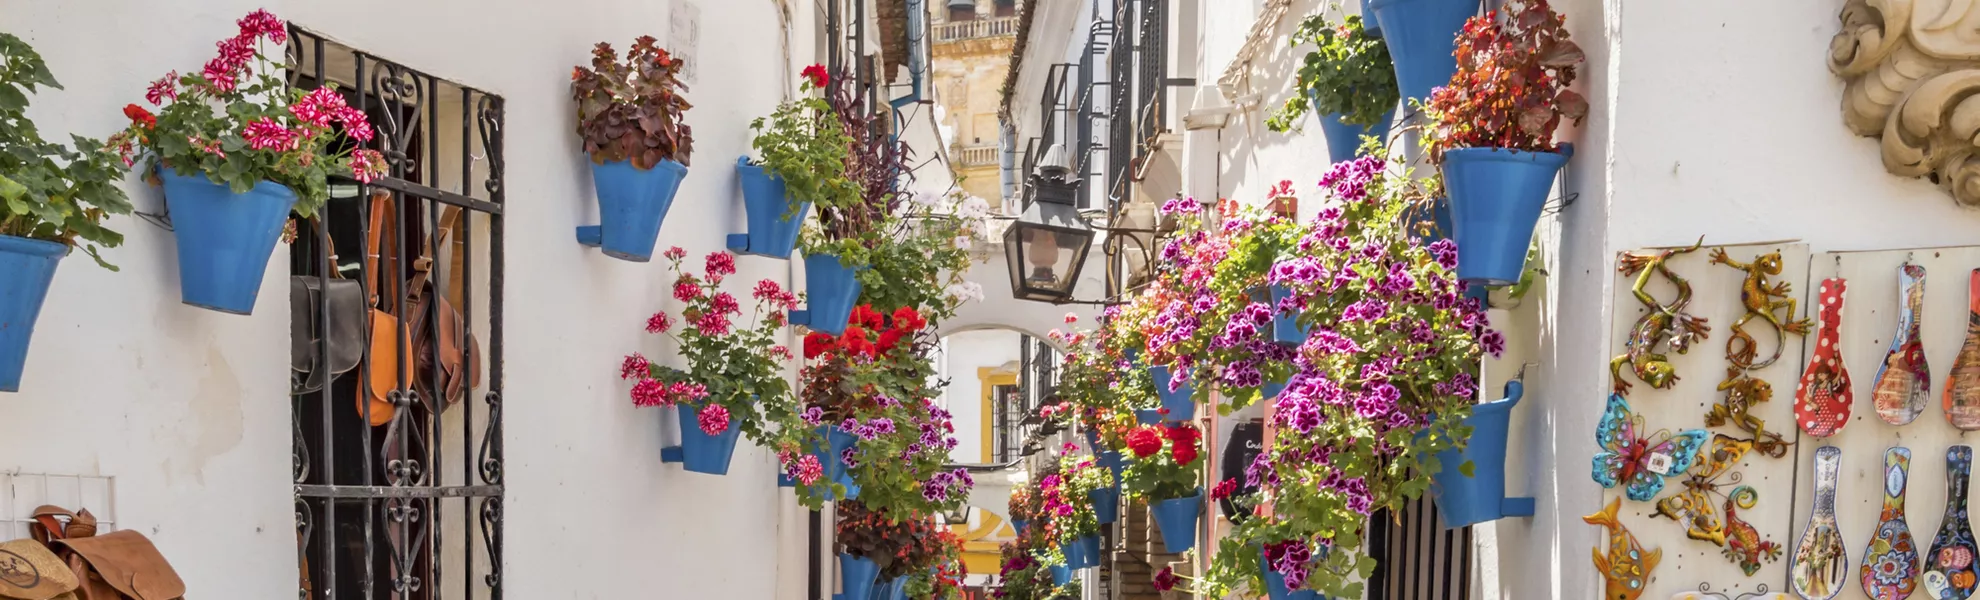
x: 238, y: 124
x: 735, y: 370
x: 1382, y: 385
x: 1348, y: 76
x: 1511, y: 89
x: 874, y: 381
x: 1100, y: 376
x: 1167, y: 462
x: 933, y: 566
x: 804, y: 144
x: 50, y: 191
x: 633, y: 110
x: 886, y: 538
x: 1067, y: 501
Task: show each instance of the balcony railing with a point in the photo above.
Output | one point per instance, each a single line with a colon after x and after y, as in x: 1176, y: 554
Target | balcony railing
x: 969, y: 30
x: 976, y: 156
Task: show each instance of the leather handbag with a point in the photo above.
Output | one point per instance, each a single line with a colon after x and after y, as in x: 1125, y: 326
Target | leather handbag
x: 120, y: 565
x: 460, y: 356
x: 387, y: 336
x: 345, y: 327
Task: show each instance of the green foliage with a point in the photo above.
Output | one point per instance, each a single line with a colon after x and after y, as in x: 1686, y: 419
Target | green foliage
x: 1511, y: 89
x: 49, y: 191
x: 739, y: 366
x: 1174, y: 469
x: 1349, y: 72
x: 803, y: 144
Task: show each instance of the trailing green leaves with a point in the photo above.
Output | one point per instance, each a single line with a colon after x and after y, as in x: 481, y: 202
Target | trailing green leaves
x: 1348, y: 72
x: 49, y: 191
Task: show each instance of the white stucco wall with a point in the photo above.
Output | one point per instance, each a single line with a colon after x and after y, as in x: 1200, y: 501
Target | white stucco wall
x: 186, y: 408
x: 965, y: 353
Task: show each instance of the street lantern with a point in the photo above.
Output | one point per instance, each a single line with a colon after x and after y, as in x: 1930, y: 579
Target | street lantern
x: 1047, y: 246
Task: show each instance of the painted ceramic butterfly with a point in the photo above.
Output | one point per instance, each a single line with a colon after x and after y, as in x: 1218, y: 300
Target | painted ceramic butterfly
x: 1638, y: 463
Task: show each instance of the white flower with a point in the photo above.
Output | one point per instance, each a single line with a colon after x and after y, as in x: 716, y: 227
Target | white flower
x: 967, y: 290
x: 929, y: 200
x: 973, y: 208
x: 962, y: 242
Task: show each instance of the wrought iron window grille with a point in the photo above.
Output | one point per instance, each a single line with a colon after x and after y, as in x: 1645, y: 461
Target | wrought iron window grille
x: 411, y: 508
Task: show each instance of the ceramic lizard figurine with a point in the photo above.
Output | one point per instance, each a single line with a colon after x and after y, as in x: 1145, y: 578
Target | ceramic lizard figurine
x: 1665, y: 324
x: 1742, y: 395
x: 1762, y: 301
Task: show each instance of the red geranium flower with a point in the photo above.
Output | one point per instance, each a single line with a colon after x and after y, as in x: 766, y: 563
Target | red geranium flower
x: 817, y: 343
x: 817, y: 75
x: 906, y: 319
x: 1144, y: 442
x: 1224, y: 489
x: 140, y: 116
x: 1166, y: 579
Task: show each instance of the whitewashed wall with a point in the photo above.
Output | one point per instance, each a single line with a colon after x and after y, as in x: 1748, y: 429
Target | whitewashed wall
x: 964, y: 354
x: 186, y: 408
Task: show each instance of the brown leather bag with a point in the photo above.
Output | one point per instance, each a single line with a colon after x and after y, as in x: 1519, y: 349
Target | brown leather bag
x: 386, y: 336
x: 120, y: 565
x: 460, y: 356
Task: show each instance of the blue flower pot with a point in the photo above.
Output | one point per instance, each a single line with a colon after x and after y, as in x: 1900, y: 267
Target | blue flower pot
x: 1106, y: 504
x: 1496, y: 197
x: 224, y: 239
x: 1465, y: 501
x: 1275, y: 584
x: 1271, y: 390
x: 1082, y: 552
x: 632, y: 202
x: 773, y: 225
x: 1422, y: 38
x: 856, y: 577
x: 831, y: 290
x: 1439, y: 212
x: 1344, y: 140
x: 1061, y: 574
x: 895, y: 589
x: 1371, y: 24
x: 1177, y: 519
x: 1018, y: 525
x: 27, y: 267
x: 1148, y: 416
x: 1285, y: 326
x: 836, y: 442
x: 1181, y: 403
x: 700, y: 452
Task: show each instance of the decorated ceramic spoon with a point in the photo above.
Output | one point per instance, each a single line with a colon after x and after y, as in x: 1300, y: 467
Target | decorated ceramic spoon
x: 1821, y: 401
x: 1821, y: 563
x: 1904, y: 382
x: 1949, y: 569
x: 1890, y: 565
x: 1962, y: 395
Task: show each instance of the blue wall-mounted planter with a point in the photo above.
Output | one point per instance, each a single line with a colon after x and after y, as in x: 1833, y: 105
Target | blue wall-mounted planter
x: 27, y: 267
x: 856, y: 577
x: 1018, y: 525
x: 773, y: 226
x: 831, y: 290
x: 1181, y: 403
x: 632, y: 202
x: 1438, y: 212
x: 1422, y: 38
x: 836, y: 441
x: 1271, y: 390
x: 1481, y: 497
x: 1061, y: 574
x: 1496, y: 197
x: 1106, y: 504
x: 1148, y: 416
x: 700, y: 452
x: 1275, y: 584
x: 224, y: 239
x: 1285, y: 326
x: 1177, y: 518
x: 1344, y: 140
x: 1082, y: 552
x: 894, y: 589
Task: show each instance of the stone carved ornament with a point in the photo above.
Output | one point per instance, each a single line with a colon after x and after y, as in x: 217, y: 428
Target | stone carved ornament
x: 1912, y: 71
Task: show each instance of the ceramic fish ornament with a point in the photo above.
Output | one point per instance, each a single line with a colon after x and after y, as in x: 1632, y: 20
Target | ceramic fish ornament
x: 1949, y: 569
x: 1890, y: 564
x: 1626, y: 568
x: 1820, y: 560
x: 1962, y: 395
x: 1705, y: 593
x: 1821, y: 401
x: 1638, y: 463
x: 1904, y: 382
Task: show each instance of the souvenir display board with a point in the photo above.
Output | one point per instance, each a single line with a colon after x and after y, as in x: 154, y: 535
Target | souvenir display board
x: 1874, y: 344
x: 1748, y: 459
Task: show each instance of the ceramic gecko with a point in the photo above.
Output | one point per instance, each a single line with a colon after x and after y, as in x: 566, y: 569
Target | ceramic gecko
x: 1744, y: 546
x: 1663, y: 324
x: 1626, y: 569
x: 1762, y: 301
x: 1742, y: 395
